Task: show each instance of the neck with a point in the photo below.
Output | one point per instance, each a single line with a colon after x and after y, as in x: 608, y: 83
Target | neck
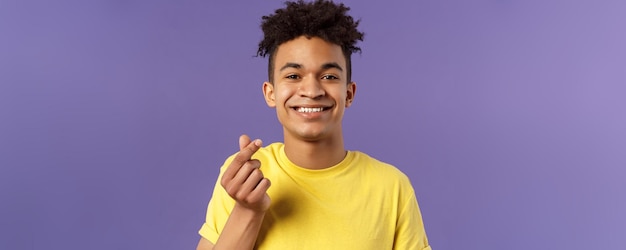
x: 315, y: 154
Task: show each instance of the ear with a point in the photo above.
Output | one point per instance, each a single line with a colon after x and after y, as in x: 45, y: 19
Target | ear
x: 350, y: 91
x: 268, y: 93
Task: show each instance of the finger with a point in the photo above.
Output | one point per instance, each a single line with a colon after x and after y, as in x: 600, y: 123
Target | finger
x: 246, y: 152
x: 245, y: 171
x: 260, y: 190
x: 236, y: 175
x: 242, y: 157
x: 250, y: 184
x: 234, y: 166
x: 244, y: 140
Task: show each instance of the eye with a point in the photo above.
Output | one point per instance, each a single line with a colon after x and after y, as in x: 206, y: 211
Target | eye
x: 329, y: 77
x: 292, y: 77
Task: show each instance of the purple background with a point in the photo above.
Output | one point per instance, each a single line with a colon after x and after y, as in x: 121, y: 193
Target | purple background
x: 508, y: 116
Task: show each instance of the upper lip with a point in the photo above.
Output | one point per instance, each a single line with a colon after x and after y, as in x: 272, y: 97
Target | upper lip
x: 310, y: 106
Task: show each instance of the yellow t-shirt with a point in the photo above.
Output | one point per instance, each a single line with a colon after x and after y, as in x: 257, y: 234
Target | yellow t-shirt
x: 360, y: 203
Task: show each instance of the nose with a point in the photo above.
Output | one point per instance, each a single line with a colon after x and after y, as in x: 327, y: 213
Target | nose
x: 311, y: 87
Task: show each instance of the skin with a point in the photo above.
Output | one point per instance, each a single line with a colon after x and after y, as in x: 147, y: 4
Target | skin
x: 309, y: 73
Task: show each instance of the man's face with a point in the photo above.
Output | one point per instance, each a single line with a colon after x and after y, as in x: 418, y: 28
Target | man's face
x: 310, y: 90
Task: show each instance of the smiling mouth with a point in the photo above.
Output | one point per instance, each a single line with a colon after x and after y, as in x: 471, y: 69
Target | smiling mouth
x: 310, y: 110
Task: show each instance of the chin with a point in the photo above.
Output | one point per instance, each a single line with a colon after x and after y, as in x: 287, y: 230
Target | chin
x: 310, y: 135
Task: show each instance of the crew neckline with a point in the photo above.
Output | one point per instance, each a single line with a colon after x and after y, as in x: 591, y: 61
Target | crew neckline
x: 292, y: 167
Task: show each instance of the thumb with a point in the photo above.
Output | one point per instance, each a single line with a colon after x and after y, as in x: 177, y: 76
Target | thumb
x: 244, y: 140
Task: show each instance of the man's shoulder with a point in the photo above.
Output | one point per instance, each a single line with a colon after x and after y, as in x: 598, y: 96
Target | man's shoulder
x: 378, y: 167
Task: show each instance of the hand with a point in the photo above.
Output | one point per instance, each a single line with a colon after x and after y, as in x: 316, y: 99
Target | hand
x: 243, y: 179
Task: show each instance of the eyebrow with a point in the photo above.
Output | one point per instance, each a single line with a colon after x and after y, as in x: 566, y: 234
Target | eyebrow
x: 291, y: 65
x: 331, y: 65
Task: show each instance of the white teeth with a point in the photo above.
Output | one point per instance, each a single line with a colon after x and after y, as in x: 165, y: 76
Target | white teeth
x: 309, y: 110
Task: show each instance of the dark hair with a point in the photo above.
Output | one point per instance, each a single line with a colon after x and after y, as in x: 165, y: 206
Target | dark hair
x: 322, y: 18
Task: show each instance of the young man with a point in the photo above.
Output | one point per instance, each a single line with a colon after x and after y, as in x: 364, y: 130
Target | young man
x: 321, y: 196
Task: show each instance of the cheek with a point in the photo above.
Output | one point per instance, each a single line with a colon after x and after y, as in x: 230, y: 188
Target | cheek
x: 340, y: 94
x: 282, y: 95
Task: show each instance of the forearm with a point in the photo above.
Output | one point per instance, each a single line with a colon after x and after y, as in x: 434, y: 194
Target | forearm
x: 241, y: 229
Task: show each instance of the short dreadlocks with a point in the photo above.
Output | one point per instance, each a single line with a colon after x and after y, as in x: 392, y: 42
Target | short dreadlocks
x: 322, y: 18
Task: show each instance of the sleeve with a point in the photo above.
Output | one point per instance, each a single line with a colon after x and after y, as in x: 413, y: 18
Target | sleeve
x: 218, y: 210
x: 410, y: 232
